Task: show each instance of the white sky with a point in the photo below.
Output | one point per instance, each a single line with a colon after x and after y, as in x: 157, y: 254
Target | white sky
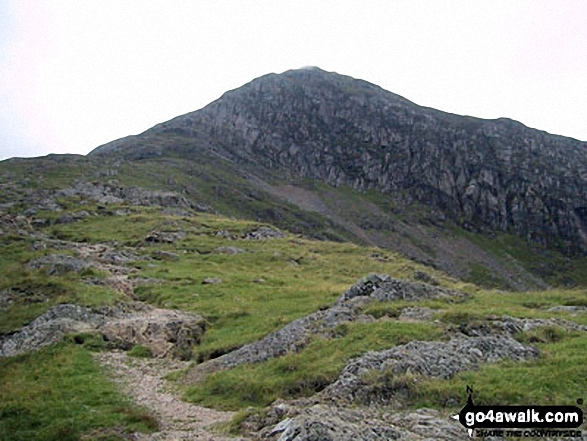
x: 75, y: 74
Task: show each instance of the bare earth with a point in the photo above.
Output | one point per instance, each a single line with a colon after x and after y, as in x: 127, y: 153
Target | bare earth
x: 143, y: 380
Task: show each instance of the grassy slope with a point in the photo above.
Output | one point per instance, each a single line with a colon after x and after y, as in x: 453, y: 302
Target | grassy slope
x: 227, y: 188
x: 271, y: 284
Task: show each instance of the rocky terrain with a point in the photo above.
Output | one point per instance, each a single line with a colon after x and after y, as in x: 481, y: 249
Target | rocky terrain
x: 352, y: 406
x: 314, y: 124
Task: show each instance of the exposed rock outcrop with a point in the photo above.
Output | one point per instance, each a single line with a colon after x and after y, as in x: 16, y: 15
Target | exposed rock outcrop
x: 113, y: 194
x: 59, y: 264
x: 435, y: 359
x: 383, y: 287
x: 166, y: 332
x: 51, y: 327
x: 513, y: 326
x: 296, y: 335
x: 328, y: 423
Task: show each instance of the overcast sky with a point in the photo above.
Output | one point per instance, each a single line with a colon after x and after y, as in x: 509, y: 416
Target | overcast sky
x: 76, y: 74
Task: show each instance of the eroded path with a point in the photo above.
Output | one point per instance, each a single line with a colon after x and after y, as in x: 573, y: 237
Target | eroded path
x: 144, y: 381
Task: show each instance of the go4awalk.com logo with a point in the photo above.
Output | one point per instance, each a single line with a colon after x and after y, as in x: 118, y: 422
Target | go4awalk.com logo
x: 520, y: 421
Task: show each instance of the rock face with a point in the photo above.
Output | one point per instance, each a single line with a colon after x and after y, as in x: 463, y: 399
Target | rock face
x: 314, y: 124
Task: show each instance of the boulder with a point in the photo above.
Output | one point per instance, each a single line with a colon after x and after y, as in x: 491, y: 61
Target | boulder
x: 264, y: 233
x: 58, y: 264
x: 165, y: 255
x: 165, y: 237
x: 383, y: 287
x: 211, y: 281
x: 417, y: 313
x: 167, y: 333
x: 229, y: 250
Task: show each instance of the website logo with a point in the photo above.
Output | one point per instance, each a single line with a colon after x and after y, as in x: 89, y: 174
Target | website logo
x: 526, y: 421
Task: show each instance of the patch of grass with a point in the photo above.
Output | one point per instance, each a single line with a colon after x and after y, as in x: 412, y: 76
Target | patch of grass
x: 59, y: 393
x: 297, y: 278
x: 482, y: 304
x: 140, y: 351
x: 384, y: 309
x: 126, y: 230
x: 544, y: 334
x: 27, y: 293
x: 304, y: 373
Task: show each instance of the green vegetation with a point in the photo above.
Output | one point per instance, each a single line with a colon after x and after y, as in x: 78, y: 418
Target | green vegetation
x: 32, y: 292
x: 485, y: 277
x: 140, y: 351
x: 320, y: 363
x: 307, y: 372
x: 553, y: 267
x: 59, y: 393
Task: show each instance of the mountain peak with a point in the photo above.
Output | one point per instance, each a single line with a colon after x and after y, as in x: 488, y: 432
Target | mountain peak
x: 309, y: 123
x: 312, y: 68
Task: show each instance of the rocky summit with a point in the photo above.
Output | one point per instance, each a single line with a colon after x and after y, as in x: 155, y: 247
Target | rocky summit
x: 314, y: 124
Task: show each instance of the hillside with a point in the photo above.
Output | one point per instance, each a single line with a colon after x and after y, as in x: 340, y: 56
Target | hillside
x: 99, y: 280
x: 314, y: 124
x: 308, y: 257
x: 374, y: 163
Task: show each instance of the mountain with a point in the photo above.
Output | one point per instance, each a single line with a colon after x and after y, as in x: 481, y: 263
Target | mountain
x: 308, y: 125
x: 328, y: 259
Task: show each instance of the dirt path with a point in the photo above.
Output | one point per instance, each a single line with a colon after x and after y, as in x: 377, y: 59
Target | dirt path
x: 143, y: 380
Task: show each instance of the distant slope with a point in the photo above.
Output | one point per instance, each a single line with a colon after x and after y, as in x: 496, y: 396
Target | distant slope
x: 309, y: 209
